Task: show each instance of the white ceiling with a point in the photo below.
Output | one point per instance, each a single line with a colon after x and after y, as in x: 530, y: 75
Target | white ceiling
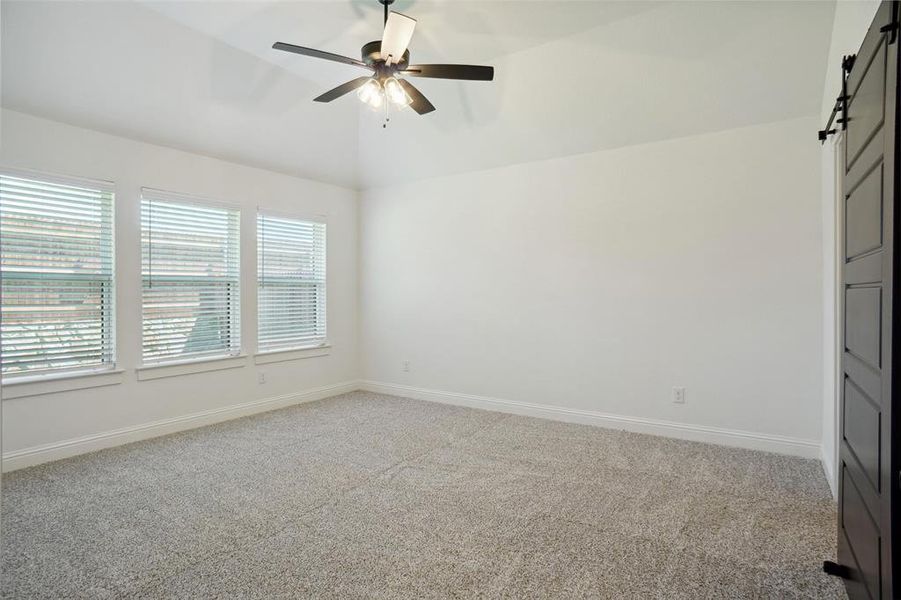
x: 571, y: 76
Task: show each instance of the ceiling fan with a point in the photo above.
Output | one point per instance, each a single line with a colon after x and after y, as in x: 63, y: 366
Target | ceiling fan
x: 387, y: 59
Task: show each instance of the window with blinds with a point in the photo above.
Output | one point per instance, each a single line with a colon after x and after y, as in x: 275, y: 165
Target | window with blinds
x: 56, y: 274
x: 291, y: 283
x: 190, y: 269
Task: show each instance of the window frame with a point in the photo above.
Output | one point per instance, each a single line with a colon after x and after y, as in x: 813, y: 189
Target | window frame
x: 155, y: 368
x: 293, y: 352
x: 106, y: 372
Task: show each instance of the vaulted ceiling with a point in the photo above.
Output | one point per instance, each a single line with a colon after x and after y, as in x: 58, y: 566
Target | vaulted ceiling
x: 572, y: 76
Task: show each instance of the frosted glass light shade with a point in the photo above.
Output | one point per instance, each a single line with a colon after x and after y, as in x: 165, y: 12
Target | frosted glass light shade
x: 395, y: 92
x: 371, y: 93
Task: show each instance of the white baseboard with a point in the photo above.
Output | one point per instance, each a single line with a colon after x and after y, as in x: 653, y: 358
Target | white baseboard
x: 34, y: 455
x: 829, y: 469
x: 697, y: 433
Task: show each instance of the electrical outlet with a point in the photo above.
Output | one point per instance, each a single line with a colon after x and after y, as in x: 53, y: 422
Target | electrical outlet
x: 261, y: 378
x: 406, y: 366
x: 678, y: 395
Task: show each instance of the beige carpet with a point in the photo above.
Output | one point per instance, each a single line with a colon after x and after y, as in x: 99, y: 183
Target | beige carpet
x: 373, y: 496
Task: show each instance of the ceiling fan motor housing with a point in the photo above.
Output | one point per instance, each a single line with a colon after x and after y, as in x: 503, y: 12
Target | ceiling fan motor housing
x: 372, y: 55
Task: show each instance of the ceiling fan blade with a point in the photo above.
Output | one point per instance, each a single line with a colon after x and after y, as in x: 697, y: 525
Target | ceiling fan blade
x: 419, y: 102
x: 396, y: 37
x: 319, y: 54
x: 342, y: 89
x: 468, y: 72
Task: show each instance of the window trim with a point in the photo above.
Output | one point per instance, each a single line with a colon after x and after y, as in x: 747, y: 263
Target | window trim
x: 299, y: 215
x: 286, y: 354
x: 59, y: 178
x: 289, y: 352
x: 190, y: 366
x: 188, y: 198
x: 55, y: 383
x: 184, y: 366
x: 83, y: 374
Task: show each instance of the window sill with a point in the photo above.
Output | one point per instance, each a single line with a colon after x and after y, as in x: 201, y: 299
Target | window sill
x: 274, y: 356
x: 189, y: 367
x: 38, y: 385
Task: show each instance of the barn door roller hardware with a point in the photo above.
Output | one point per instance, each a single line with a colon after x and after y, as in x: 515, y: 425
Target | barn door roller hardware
x: 892, y: 27
x: 841, y: 103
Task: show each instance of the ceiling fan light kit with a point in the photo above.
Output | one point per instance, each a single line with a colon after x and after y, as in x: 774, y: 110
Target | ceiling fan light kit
x: 388, y: 59
x: 371, y: 93
x: 395, y: 92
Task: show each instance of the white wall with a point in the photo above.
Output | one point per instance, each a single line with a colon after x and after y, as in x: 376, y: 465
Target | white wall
x: 600, y: 281
x: 852, y: 19
x: 34, y: 143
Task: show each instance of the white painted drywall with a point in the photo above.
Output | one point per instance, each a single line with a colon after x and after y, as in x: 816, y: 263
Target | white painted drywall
x: 849, y: 28
x: 600, y: 281
x: 34, y: 143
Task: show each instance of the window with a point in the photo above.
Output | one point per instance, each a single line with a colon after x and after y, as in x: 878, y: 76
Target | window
x: 190, y: 272
x: 56, y: 267
x: 291, y: 283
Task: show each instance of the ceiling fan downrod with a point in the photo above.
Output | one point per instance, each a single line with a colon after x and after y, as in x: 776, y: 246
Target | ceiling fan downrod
x: 386, y: 4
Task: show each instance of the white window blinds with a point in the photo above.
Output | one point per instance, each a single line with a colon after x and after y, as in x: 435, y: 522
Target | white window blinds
x: 291, y: 278
x: 56, y: 267
x: 191, y: 270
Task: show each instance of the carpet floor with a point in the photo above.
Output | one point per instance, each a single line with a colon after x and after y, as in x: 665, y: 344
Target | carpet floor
x: 366, y: 495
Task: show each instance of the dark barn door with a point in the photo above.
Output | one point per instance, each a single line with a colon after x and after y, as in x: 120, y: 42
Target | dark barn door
x: 868, y: 472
